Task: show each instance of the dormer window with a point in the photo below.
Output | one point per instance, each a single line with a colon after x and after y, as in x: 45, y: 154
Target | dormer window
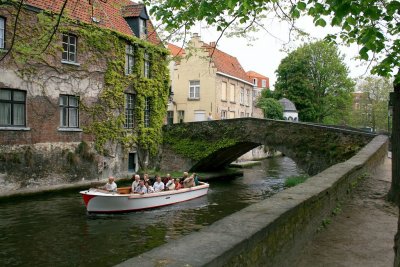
x: 142, y: 28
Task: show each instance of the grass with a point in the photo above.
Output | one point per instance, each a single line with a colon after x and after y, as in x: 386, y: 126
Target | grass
x: 295, y: 180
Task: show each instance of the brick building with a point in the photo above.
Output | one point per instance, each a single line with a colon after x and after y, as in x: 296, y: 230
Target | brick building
x: 78, y: 102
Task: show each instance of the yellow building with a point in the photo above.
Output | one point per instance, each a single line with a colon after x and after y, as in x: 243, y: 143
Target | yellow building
x: 207, y: 81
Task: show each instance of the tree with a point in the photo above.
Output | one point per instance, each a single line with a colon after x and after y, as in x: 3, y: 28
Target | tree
x: 372, y: 24
x: 371, y: 107
x: 316, y: 80
x: 271, y: 107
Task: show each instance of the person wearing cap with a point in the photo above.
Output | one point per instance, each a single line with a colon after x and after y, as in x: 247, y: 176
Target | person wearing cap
x: 110, y: 186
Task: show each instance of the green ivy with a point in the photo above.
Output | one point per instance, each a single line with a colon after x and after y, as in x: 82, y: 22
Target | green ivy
x: 96, y: 45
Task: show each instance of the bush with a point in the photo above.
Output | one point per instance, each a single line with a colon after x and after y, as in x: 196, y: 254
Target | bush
x: 295, y: 180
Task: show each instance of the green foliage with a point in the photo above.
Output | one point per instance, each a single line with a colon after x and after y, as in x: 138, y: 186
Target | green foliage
x: 197, y: 149
x: 371, y: 106
x: 295, y: 180
x: 315, y: 78
x: 271, y: 107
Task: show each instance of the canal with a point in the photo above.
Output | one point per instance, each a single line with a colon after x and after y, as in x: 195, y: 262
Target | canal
x: 54, y: 230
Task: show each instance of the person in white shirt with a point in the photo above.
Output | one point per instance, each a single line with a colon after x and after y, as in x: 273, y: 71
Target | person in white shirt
x: 170, y: 184
x: 111, y: 186
x: 136, y: 182
x: 149, y: 188
x: 158, y: 185
x: 141, y: 188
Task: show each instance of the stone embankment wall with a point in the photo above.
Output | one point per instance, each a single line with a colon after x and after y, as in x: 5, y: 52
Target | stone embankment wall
x: 271, y: 232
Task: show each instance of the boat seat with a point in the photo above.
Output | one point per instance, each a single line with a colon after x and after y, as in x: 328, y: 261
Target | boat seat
x: 124, y: 190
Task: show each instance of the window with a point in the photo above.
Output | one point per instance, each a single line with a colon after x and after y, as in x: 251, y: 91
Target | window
x: 223, y: 114
x: 147, y: 109
x: 242, y: 95
x: 247, y: 115
x: 232, y: 93
x: 199, y: 115
x: 170, y: 117
x: 247, y: 97
x: 129, y: 111
x: 241, y: 114
x: 264, y: 83
x: 142, y: 28
x: 223, y: 91
x: 194, y: 90
x: 181, y: 116
x: 2, y: 33
x: 146, y: 71
x: 12, y: 107
x: 69, y: 48
x: 255, y: 81
x: 69, y: 111
x: 129, y: 59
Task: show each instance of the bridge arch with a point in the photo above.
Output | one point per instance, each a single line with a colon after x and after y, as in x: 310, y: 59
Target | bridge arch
x: 212, y: 145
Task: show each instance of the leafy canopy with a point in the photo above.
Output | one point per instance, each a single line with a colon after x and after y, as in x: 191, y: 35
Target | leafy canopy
x: 372, y: 24
x: 271, y: 107
x: 315, y: 78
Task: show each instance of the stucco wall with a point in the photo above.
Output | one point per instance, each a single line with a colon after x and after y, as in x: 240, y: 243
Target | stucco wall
x: 270, y: 232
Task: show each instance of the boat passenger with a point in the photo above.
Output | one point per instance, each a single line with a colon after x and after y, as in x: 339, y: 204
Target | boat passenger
x: 136, y: 182
x: 167, y: 178
x: 189, y: 182
x: 177, y: 184
x: 146, y: 177
x: 170, y: 184
x: 158, y: 185
x: 110, y: 186
x: 149, y: 188
x: 141, y: 188
x: 196, y: 179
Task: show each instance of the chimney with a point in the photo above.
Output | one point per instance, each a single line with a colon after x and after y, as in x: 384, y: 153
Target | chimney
x: 212, y: 44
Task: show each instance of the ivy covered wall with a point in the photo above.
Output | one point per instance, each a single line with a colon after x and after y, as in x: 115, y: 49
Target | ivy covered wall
x: 98, y: 79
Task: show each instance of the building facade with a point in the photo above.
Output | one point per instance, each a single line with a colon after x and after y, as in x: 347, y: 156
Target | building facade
x: 84, y: 101
x: 290, y: 112
x: 207, y: 82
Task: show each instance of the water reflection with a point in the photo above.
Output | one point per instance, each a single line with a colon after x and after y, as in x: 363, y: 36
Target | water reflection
x: 55, y: 230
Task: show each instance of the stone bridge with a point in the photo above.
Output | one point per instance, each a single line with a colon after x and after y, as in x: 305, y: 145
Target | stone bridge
x: 212, y: 145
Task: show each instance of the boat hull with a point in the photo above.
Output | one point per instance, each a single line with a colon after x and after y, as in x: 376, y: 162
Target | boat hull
x: 98, y: 201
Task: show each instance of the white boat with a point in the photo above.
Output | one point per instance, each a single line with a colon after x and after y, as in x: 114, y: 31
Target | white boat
x: 101, y: 201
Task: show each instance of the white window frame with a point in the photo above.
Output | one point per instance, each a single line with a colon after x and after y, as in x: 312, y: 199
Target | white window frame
x: 147, y: 112
x: 224, y: 115
x: 142, y: 28
x: 68, y: 110
x: 146, y: 67
x: 264, y: 83
x: 232, y: 93
x: 242, y: 96
x: 2, y: 33
x: 129, y: 111
x: 224, y: 91
x: 181, y: 116
x: 129, y: 59
x: 68, y: 52
x: 194, y: 89
x: 10, y: 106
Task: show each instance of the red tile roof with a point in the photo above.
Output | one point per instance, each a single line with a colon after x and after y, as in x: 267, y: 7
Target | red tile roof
x: 176, y: 50
x: 132, y: 10
x: 109, y: 13
x: 226, y: 63
x: 260, y: 77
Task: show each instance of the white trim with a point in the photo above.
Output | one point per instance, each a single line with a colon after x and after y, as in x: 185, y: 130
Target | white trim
x: 70, y: 63
x: 15, y: 129
x: 64, y: 129
x: 235, y: 78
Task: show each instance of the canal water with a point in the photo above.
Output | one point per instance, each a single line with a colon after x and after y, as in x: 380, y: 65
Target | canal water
x: 54, y: 230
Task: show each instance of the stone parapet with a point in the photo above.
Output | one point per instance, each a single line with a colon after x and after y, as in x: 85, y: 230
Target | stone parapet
x: 271, y: 232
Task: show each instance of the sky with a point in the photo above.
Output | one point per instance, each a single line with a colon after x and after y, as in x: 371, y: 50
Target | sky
x: 264, y: 54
